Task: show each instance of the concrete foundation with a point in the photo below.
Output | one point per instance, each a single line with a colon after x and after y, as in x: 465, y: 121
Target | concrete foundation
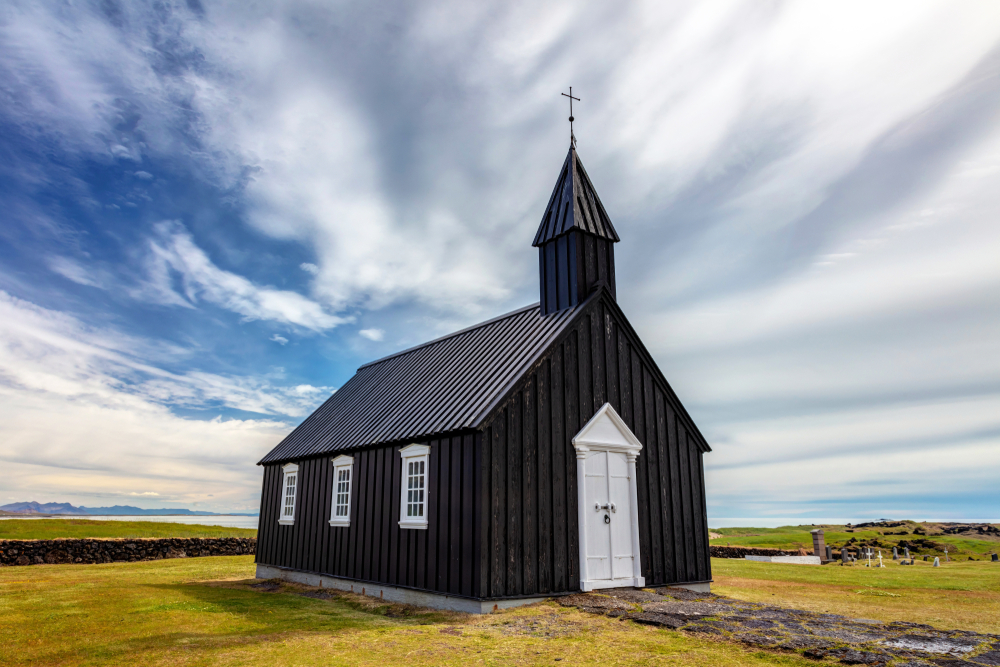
x: 704, y: 587
x: 392, y: 593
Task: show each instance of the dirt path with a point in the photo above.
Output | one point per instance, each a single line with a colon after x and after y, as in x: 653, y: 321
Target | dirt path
x: 853, y: 641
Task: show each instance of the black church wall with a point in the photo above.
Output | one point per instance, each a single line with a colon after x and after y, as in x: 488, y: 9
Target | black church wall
x: 530, y: 527
x: 443, y: 558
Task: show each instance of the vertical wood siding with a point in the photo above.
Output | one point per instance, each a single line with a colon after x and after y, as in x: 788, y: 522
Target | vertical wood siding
x: 530, y: 533
x: 373, y: 548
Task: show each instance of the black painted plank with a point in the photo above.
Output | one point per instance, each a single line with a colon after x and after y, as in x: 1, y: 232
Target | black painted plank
x: 704, y: 512
x: 395, y: 543
x: 265, y: 534
x: 437, y: 543
x: 642, y: 463
x: 371, y: 537
x: 326, y: 476
x: 587, y: 408
x: 544, y: 421
x: 700, y: 528
x: 653, y: 478
x: 474, y: 530
x: 453, y: 569
x: 514, y: 496
x: 571, y: 393
x: 498, y: 518
x: 427, y: 555
x: 676, y: 510
x: 559, y: 444
x: 597, y: 356
x: 529, y: 478
x: 625, y: 374
x: 666, y: 522
x: 309, y: 522
x: 612, y: 356
x: 690, y: 567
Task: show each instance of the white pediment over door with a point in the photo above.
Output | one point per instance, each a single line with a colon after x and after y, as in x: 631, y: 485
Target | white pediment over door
x: 607, y: 431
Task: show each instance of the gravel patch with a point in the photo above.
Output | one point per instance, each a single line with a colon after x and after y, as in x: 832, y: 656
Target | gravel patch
x: 851, y: 641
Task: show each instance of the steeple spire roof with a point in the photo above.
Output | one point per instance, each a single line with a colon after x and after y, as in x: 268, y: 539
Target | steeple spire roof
x: 574, y: 205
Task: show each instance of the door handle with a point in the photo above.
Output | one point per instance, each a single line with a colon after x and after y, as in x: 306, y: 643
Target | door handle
x: 598, y: 507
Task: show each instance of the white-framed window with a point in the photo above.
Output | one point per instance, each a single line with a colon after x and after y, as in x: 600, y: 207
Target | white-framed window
x: 289, y: 488
x: 340, y: 504
x: 413, y: 494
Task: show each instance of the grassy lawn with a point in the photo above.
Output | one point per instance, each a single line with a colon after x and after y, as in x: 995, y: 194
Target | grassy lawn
x: 202, y: 611
x: 957, y: 595
x: 50, y: 529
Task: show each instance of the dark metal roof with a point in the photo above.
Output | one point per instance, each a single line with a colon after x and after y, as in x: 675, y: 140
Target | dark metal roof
x: 442, y: 386
x: 574, y: 205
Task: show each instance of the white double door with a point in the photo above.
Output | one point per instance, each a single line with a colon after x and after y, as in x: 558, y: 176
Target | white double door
x: 608, y: 514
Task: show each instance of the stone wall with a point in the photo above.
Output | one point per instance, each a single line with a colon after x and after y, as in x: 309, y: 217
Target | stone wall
x: 740, y: 552
x: 38, y: 552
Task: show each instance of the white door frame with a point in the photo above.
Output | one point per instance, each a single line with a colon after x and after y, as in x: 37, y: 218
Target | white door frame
x: 606, y: 432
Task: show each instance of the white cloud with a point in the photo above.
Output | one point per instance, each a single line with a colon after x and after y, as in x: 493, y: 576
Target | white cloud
x: 372, y: 334
x: 174, y: 251
x: 280, y: 340
x: 309, y: 268
x: 72, y: 270
x: 81, y: 411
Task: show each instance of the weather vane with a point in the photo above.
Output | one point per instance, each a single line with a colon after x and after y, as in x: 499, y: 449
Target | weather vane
x: 572, y: 139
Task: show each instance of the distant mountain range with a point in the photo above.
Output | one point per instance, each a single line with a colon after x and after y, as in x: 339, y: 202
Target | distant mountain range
x: 119, y: 510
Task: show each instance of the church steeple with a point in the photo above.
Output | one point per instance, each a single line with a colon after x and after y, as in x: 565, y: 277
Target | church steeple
x: 575, y: 241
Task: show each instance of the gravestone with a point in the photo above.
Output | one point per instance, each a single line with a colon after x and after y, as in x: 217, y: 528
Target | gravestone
x: 946, y: 559
x: 937, y: 562
x: 996, y: 558
x: 895, y: 554
x: 906, y: 551
x: 819, y: 544
x: 829, y: 552
x: 844, y: 555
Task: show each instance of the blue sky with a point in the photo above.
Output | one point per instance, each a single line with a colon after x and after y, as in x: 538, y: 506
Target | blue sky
x: 212, y: 213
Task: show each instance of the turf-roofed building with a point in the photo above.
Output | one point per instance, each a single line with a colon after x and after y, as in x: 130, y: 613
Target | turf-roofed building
x: 535, y: 454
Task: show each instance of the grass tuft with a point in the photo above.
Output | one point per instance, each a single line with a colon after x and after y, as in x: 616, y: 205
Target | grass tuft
x: 51, y: 529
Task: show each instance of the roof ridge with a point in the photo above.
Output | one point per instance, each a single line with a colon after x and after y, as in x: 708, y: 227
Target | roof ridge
x: 451, y: 335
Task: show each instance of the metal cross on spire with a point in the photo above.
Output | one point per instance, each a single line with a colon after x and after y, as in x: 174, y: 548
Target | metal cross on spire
x: 572, y: 139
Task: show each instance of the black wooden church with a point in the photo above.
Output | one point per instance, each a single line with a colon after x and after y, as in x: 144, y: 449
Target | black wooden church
x: 538, y: 453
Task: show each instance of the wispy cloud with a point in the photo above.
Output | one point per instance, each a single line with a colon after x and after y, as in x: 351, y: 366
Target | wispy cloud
x: 173, y: 253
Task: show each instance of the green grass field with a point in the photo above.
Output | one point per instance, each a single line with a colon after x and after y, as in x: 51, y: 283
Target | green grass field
x: 202, y: 611
x: 796, y: 537
x: 50, y: 529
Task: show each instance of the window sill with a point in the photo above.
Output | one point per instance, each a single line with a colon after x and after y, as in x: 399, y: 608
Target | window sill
x: 413, y: 525
x: 286, y: 522
x: 339, y: 523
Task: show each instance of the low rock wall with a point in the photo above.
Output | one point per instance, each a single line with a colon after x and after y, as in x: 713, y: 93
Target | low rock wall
x: 740, y: 552
x: 38, y: 552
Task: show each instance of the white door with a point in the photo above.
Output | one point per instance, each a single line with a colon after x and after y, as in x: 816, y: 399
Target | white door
x: 608, y: 514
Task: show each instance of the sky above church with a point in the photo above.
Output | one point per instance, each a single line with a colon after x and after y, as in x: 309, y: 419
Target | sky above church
x: 212, y: 213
